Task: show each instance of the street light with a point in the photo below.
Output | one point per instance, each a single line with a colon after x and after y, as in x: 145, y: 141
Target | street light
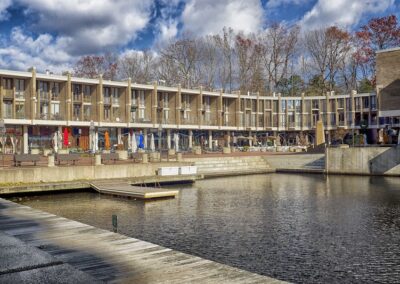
x: 2, y: 132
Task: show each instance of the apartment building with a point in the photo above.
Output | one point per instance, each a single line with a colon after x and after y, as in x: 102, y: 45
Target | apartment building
x: 34, y: 106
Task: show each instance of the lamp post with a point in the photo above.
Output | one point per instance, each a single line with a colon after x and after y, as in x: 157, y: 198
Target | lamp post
x: 2, y: 132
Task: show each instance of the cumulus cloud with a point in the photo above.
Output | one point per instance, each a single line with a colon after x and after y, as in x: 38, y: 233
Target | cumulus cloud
x: 203, y: 17
x: 90, y: 26
x: 4, y: 4
x: 343, y: 13
x: 43, y: 52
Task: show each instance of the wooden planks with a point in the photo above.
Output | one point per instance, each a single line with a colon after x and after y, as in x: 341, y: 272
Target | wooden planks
x: 112, y: 257
x: 127, y: 190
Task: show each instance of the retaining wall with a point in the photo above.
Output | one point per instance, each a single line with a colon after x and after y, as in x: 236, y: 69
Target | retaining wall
x: 76, y: 173
x: 293, y: 161
x: 363, y: 160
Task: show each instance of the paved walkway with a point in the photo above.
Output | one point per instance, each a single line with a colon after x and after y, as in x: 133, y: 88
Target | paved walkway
x: 43, y: 247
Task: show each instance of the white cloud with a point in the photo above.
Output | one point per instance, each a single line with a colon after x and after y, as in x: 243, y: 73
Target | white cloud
x: 43, y: 52
x: 343, y: 13
x: 203, y: 17
x: 4, y: 4
x: 90, y: 26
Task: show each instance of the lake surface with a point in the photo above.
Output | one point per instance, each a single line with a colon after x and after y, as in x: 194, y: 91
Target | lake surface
x: 299, y: 228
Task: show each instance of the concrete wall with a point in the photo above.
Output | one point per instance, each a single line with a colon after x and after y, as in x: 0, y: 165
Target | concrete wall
x: 76, y: 173
x: 363, y: 160
x: 294, y: 161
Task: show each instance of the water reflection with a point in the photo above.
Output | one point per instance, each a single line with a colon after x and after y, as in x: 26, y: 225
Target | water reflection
x: 300, y: 228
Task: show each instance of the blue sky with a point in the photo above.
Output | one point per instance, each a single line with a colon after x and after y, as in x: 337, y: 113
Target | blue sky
x: 53, y: 34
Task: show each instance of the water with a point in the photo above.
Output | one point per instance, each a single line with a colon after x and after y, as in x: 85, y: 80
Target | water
x: 299, y: 228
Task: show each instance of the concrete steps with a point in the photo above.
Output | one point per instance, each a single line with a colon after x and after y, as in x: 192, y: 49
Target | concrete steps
x: 231, y: 165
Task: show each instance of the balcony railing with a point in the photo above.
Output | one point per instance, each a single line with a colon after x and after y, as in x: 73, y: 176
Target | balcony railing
x: 20, y: 95
x: 115, y: 101
x: 107, y: 100
x: 189, y: 120
x: 77, y: 98
x: 20, y: 115
x: 55, y: 97
x: 8, y: 94
x: 44, y: 96
x: 56, y: 116
x: 87, y: 99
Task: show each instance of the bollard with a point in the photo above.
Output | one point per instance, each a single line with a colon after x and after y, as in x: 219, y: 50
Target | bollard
x: 114, y: 219
x: 97, y: 159
x: 50, y: 160
x: 179, y: 157
x: 145, y: 158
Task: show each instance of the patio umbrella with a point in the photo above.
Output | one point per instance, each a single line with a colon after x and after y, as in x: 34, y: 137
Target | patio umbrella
x: 134, y: 144
x: 129, y: 141
x: 176, y: 141
x: 107, y: 140
x: 55, y: 142
x: 152, y: 146
x: 65, y: 137
x: 141, y: 138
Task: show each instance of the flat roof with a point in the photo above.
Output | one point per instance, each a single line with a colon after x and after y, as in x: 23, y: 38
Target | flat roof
x: 388, y: 49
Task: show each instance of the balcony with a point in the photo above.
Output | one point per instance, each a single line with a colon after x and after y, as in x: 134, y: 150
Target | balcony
x: 55, y: 97
x: 44, y: 116
x: 20, y: 115
x: 77, y: 98
x: 43, y: 96
x: 87, y: 99
x: 8, y: 94
x: 20, y: 95
x: 107, y: 100
x: 56, y: 116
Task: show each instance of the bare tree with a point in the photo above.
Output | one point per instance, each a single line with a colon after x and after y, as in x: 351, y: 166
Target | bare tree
x: 327, y: 49
x: 137, y: 65
x: 278, y: 46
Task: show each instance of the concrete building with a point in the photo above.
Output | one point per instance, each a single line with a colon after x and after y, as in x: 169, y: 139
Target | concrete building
x: 388, y: 83
x: 35, y: 106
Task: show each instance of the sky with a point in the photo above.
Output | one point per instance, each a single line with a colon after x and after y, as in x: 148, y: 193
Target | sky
x: 54, y: 34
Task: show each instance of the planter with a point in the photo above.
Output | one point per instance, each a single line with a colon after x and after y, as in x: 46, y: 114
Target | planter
x: 122, y: 154
x: 154, y: 156
x: 106, y: 151
x: 35, y: 151
x: 171, y: 152
x: 226, y: 150
x: 63, y: 151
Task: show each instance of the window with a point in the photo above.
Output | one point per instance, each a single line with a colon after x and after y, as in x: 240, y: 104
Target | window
x: 366, y: 102
x: 142, y: 100
x: 20, y: 88
x: 87, y: 111
x: 107, y: 113
x: 87, y: 94
x: 206, y: 103
x: 7, y: 109
x: 133, y: 97
x: 115, y: 96
x: 283, y: 105
x: 55, y: 110
x: 77, y: 112
x: 20, y: 110
x: 55, y: 91
x: 43, y: 89
x: 107, y: 96
x: 44, y: 111
x: 7, y: 83
x: 315, y: 104
x: 165, y: 100
x: 298, y: 105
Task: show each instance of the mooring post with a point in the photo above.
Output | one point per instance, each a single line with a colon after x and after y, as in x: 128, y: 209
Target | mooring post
x: 115, y: 223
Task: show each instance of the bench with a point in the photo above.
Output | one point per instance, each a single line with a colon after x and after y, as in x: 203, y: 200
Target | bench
x: 109, y: 157
x: 67, y: 158
x: 19, y: 158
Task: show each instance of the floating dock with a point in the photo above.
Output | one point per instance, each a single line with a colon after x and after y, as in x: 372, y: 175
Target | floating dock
x: 110, y: 257
x: 125, y: 189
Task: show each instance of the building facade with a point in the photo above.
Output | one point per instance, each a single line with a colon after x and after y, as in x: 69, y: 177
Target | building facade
x: 34, y: 106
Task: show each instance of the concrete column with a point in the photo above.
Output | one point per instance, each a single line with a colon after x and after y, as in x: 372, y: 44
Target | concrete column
x: 250, y: 140
x: 169, y: 138
x: 97, y: 159
x: 119, y: 136
x: 190, y: 139
x: 25, y: 138
x: 209, y: 139
x: 145, y: 138
x: 96, y: 140
x: 228, y: 139
x: 145, y: 158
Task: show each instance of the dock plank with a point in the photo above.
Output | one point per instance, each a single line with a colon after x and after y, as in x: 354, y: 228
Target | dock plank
x: 127, y: 190
x: 112, y: 257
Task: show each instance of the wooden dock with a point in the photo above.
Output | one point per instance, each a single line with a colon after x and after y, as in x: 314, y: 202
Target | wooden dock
x: 111, y: 257
x: 125, y: 189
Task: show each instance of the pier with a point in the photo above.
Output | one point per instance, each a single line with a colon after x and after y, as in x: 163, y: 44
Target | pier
x: 106, y: 256
x: 125, y: 189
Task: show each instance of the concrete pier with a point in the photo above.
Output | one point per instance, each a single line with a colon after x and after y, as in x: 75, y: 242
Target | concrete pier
x: 85, y: 254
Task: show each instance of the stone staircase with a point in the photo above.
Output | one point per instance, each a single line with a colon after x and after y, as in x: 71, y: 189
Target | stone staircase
x: 316, y: 165
x: 222, y: 166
